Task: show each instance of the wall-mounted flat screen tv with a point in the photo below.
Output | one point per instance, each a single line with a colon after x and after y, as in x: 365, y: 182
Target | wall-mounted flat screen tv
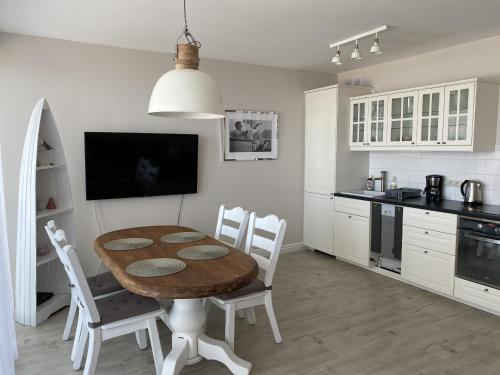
x: 124, y: 165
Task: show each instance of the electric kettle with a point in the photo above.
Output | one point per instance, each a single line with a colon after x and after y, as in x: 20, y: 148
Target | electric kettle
x: 471, y: 191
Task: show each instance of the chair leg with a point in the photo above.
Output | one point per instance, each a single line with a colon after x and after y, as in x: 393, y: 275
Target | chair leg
x: 268, y: 299
x: 78, y: 334
x: 230, y: 315
x: 206, y: 305
x: 154, y: 338
x: 93, y: 352
x: 70, y: 318
x: 250, y: 313
x: 141, y: 339
x: 80, y: 346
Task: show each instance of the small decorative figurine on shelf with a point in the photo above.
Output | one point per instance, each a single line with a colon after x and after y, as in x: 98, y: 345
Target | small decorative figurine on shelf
x: 51, y: 204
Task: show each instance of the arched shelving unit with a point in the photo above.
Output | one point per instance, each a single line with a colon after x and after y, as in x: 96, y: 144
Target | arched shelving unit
x: 41, y: 283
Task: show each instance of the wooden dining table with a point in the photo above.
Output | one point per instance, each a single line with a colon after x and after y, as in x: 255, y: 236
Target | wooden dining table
x: 187, y: 288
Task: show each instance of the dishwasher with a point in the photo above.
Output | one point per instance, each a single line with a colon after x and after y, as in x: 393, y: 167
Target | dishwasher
x: 386, y: 236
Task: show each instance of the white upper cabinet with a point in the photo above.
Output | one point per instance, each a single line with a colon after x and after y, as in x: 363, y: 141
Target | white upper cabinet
x: 377, y: 120
x: 459, y: 110
x: 452, y: 116
x: 403, y: 118
x: 321, y: 125
x: 430, y: 116
x: 358, y: 123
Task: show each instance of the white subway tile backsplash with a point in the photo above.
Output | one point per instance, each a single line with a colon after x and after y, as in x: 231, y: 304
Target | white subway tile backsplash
x: 410, y: 168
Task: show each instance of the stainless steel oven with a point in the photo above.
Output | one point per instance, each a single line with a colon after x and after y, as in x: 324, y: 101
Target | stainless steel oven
x: 478, y: 251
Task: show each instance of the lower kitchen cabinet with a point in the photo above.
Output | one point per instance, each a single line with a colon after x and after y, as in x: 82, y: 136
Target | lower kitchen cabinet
x: 478, y: 294
x: 428, y: 268
x: 318, y: 222
x: 352, y: 238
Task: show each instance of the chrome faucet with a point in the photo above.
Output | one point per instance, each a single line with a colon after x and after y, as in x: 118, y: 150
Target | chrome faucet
x: 382, y: 179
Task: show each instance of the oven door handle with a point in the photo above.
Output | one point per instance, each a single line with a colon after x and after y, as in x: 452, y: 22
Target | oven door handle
x: 483, y: 239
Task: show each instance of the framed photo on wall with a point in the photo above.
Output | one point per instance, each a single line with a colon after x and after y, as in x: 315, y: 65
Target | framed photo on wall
x: 250, y: 135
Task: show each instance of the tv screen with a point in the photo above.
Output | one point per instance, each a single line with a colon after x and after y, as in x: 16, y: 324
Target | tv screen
x: 123, y: 165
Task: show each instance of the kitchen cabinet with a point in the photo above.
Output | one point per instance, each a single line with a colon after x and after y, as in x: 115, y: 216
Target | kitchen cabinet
x: 430, y: 220
x: 402, y: 118
x: 318, y: 222
x: 450, y: 116
x: 351, y: 239
x: 428, y: 268
x: 377, y: 121
x: 478, y: 294
x: 358, y: 123
x: 430, y: 116
x: 459, y: 114
x: 326, y: 141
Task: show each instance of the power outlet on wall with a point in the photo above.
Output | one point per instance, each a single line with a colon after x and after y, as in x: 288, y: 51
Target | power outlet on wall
x: 452, y: 182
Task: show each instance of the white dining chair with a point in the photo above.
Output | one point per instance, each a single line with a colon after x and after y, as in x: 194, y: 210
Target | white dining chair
x: 109, y: 317
x: 100, y: 286
x: 231, y: 234
x: 268, y: 240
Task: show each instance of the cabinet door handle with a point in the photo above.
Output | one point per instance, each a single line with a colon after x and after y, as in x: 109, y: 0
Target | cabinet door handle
x: 426, y: 232
x: 413, y: 143
x: 438, y: 143
x: 426, y: 252
x: 486, y: 290
x: 350, y: 217
x: 427, y: 212
x: 444, y: 143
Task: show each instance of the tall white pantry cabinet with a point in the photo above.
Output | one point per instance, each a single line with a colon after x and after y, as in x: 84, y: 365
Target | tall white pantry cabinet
x: 330, y: 166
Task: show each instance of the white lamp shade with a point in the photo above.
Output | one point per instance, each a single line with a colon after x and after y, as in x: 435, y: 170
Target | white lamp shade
x: 187, y: 94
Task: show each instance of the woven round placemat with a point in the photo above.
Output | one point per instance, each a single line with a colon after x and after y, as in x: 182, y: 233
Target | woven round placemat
x: 183, y: 237
x: 155, y: 267
x: 132, y: 243
x: 203, y: 252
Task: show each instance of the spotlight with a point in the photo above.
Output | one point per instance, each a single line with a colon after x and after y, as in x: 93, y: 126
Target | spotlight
x: 337, y: 60
x: 375, y: 49
x: 356, y: 55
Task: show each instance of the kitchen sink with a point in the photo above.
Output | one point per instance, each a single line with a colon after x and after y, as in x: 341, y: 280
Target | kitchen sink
x: 364, y: 193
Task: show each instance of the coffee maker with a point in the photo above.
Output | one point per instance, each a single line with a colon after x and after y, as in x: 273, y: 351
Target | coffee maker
x: 433, y: 186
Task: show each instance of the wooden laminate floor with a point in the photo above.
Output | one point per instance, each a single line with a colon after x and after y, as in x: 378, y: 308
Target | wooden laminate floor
x: 335, y: 318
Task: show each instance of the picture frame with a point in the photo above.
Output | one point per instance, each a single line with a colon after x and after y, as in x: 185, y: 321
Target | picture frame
x: 250, y: 135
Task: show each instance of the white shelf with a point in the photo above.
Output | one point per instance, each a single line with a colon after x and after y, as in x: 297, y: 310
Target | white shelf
x: 46, y: 258
x: 50, y: 167
x: 46, y: 213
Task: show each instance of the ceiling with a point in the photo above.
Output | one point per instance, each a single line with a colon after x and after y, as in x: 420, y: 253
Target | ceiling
x: 283, y: 33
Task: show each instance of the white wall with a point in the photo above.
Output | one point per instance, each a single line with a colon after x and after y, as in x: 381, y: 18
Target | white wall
x: 476, y: 59
x: 94, y: 88
x: 410, y: 169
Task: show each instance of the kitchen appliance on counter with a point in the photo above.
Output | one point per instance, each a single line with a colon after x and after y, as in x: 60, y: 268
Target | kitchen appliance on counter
x: 386, y: 236
x: 433, y: 187
x: 478, y: 251
x: 403, y: 193
x: 471, y: 191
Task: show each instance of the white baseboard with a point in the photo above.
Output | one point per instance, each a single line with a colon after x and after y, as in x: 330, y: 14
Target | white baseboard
x: 292, y: 247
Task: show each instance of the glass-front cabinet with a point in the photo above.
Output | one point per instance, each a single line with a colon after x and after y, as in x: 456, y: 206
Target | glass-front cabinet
x: 430, y: 116
x: 402, y: 118
x: 458, y: 114
x: 358, y: 134
x: 377, y: 120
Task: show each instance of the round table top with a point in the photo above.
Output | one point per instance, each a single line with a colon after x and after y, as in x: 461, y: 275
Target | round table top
x: 200, y: 278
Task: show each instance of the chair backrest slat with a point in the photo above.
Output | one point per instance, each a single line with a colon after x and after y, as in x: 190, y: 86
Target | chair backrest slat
x: 68, y: 257
x: 239, y: 217
x: 276, y: 229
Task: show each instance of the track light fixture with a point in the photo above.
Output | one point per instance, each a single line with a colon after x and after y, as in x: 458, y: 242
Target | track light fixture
x: 375, y: 48
x: 356, y: 55
x: 337, y: 59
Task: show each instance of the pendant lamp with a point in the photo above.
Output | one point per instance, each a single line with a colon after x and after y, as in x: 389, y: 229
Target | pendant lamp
x: 186, y: 92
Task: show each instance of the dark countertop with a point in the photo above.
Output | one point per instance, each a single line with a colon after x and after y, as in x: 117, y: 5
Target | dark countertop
x: 484, y: 211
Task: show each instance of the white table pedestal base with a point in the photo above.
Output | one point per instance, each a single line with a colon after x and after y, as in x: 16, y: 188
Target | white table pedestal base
x: 190, y: 345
